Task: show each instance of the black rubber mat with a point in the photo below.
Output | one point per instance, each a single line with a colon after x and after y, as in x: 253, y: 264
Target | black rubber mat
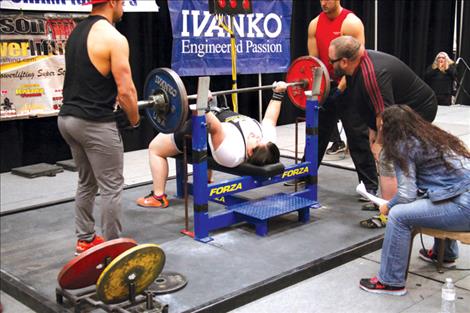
x: 37, y: 170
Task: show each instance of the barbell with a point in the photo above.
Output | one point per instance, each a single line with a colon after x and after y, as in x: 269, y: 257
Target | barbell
x: 167, y: 101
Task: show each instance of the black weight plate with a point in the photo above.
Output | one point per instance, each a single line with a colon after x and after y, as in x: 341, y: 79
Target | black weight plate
x: 165, y: 80
x: 168, y: 282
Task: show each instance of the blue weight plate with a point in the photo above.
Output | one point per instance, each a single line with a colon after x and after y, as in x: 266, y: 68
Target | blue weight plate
x: 167, y: 81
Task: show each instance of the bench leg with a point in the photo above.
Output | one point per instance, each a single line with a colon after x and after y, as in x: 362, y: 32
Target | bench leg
x: 261, y: 228
x: 304, y: 215
x: 440, y: 255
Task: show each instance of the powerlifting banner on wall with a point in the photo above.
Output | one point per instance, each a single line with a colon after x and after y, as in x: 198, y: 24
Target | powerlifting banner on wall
x: 202, y: 47
x: 74, y: 5
x: 32, y: 64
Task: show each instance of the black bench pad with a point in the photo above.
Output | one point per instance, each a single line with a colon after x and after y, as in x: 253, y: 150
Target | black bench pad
x: 244, y: 169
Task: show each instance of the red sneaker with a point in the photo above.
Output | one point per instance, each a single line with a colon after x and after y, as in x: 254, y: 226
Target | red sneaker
x: 431, y: 257
x: 83, y: 245
x: 153, y: 201
x: 375, y: 286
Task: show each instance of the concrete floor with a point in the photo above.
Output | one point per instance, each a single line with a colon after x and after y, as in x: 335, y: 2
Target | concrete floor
x: 338, y: 289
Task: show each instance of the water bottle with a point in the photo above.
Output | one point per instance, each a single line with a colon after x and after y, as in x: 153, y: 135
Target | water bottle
x: 448, y: 297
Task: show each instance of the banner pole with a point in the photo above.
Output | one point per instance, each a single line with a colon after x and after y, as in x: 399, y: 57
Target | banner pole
x: 260, y: 98
x: 234, y: 64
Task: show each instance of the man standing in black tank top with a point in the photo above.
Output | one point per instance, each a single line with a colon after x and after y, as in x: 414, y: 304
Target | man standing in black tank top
x: 97, y: 76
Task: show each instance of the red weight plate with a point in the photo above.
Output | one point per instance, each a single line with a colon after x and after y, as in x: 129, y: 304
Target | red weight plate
x: 302, y: 69
x: 84, y: 270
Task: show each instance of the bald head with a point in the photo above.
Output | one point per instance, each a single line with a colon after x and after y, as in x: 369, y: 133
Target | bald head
x: 346, y: 47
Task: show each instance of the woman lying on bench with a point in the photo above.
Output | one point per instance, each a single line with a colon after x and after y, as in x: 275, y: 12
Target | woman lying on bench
x: 233, y: 139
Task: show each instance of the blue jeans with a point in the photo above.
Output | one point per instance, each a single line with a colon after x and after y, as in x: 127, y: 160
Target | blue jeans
x: 452, y: 214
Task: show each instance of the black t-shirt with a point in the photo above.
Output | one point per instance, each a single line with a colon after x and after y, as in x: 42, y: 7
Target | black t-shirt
x: 87, y: 93
x: 441, y: 82
x: 382, y: 80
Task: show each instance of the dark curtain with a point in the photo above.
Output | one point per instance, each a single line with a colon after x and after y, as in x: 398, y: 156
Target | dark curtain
x: 365, y: 11
x: 415, y: 31
x: 465, y: 48
x: 463, y: 94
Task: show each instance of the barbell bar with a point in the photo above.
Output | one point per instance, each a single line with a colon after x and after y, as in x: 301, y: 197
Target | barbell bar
x: 249, y: 89
x: 153, y: 99
x: 166, y: 101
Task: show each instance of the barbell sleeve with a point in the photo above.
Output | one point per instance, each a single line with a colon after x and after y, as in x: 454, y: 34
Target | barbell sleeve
x: 144, y: 103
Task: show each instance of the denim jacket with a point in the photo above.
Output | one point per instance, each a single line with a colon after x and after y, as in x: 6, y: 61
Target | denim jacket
x: 428, y: 173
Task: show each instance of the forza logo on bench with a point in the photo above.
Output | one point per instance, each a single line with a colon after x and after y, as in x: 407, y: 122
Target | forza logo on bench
x: 295, y: 172
x: 226, y: 188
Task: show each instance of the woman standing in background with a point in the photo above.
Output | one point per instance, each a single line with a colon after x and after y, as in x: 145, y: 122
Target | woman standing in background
x: 440, y: 76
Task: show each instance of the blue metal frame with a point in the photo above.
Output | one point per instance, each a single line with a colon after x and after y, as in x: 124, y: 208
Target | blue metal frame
x: 224, y: 192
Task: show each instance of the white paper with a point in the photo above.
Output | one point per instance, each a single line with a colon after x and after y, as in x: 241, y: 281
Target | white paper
x: 361, y: 189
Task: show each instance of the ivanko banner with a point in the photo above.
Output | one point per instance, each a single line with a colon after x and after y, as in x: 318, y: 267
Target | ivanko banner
x: 32, y: 65
x: 73, y: 5
x: 202, y: 47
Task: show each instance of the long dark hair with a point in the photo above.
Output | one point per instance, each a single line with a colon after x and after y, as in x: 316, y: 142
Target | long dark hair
x: 401, y: 123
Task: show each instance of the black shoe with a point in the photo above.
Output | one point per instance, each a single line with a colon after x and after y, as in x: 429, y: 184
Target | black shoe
x: 300, y: 182
x: 336, y: 147
x: 373, y: 285
x: 370, y: 206
x: 431, y: 257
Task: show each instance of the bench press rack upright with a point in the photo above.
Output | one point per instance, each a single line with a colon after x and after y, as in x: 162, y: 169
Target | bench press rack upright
x: 238, y: 209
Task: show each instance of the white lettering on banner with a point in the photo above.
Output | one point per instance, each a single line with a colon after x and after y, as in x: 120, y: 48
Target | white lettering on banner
x: 243, y: 46
x: 278, y: 21
x: 245, y: 25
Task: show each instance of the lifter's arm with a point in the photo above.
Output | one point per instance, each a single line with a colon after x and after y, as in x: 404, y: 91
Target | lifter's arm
x: 274, y: 107
x: 214, y: 127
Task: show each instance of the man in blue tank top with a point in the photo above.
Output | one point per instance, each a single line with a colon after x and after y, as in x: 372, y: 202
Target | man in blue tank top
x: 98, y: 77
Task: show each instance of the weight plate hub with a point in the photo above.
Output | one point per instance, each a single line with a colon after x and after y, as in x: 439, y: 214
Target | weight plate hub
x: 302, y: 69
x: 170, y: 117
x: 84, y: 270
x: 168, y: 282
x: 139, y: 265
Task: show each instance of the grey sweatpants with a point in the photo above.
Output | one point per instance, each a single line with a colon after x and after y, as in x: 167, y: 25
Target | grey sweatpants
x: 97, y: 150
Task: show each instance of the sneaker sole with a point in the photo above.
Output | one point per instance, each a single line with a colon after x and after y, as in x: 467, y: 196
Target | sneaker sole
x: 335, y: 152
x: 401, y: 292
x: 152, y: 206
x: 429, y: 260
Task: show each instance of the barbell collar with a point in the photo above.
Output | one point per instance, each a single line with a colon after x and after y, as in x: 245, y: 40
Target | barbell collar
x: 158, y: 98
